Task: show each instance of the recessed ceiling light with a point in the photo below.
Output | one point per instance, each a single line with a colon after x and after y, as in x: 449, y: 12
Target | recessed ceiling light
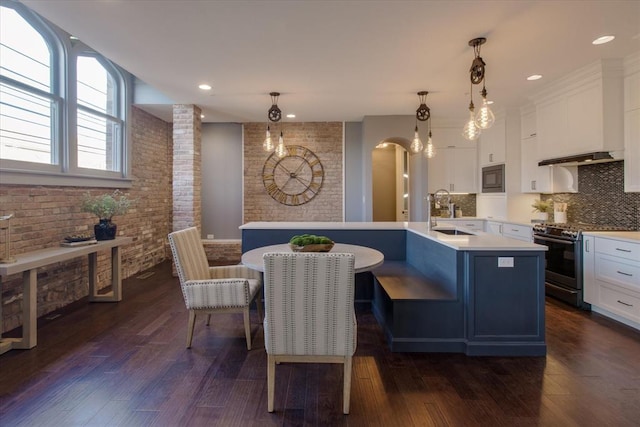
x: 534, y: 77
x: 291, y: 116
x: 603, y: 39
x: 204, y: 86
x: 202, y: 116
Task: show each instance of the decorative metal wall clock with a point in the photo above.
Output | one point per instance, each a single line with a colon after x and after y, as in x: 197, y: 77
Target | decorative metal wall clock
x: 294, y: 179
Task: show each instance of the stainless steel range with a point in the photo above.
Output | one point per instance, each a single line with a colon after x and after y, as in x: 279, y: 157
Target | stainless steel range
x: 563, y: 259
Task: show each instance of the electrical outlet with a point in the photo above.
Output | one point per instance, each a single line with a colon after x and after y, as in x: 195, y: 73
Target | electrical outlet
x: 505, y: 261
x: 210, y: 236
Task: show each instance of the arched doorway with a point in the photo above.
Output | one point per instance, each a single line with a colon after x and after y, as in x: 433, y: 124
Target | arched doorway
x: 390, y: 180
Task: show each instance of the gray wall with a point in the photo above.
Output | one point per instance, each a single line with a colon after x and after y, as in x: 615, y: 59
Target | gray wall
x: 353, y: 191
x: 222, y: 180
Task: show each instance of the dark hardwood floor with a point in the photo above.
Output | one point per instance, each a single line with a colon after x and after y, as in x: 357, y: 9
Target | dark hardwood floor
x: 125, y: 364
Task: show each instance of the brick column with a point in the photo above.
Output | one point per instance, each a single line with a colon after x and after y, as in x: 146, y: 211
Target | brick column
x: 187, y: 177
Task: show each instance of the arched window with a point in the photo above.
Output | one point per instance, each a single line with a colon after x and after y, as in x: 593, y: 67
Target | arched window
x: 63, y: 107
x: 28, y: 105
x: 99, y: 128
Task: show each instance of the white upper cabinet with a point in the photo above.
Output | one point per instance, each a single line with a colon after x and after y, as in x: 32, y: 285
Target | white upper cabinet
x: 493, y: 143
x: 454, y: 168
x: 632, y: 124
x: 582, y: 112
x: 528, y: 124
x: 534, y: 178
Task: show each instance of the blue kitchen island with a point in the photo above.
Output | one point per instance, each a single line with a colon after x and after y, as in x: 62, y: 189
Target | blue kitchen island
x: 479, y: 294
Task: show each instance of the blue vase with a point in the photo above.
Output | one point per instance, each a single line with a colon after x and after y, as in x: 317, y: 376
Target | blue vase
x: 105, y: 230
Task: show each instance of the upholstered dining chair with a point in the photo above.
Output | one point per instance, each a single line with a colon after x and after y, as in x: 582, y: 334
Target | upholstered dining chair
x: 309, y: 313
x: 207, y: 290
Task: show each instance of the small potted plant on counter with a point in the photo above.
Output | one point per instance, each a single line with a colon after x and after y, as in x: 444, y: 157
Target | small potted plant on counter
x: 105, y: 206
x: 543, y: 207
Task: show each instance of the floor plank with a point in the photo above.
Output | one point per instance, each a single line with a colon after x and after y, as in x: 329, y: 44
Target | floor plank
x: 126, y: 364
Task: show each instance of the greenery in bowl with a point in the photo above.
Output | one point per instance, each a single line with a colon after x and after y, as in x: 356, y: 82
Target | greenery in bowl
x: 542, y: 205
x: 310, y: 243
x: 105, y: 206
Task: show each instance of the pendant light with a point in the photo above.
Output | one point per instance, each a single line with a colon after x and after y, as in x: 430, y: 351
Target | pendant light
x: 429, y: 149
x: 267, y: 145
x: 416, y: 144
x: 423, y: 113
x: 471, y: 131
x: 484, y: 118
x: 274, y: 115
x: 281, y: 149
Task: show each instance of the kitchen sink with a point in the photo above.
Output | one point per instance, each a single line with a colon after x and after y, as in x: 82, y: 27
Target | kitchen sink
x: 454, y: 232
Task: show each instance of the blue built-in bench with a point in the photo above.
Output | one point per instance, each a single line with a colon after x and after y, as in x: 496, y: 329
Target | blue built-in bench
x: 479, y: 296
x: 418, y: 301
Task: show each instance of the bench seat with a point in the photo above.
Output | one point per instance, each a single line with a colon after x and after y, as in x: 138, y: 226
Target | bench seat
x: 403, y: 282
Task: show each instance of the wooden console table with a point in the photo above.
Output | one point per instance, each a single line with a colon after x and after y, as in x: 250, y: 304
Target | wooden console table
x: 28, y: 264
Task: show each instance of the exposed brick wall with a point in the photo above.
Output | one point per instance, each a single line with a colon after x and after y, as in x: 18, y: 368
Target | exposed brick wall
x: 44, y: 215
x: 223, y: 252
x: 187, y: 159
x: 325, y: 140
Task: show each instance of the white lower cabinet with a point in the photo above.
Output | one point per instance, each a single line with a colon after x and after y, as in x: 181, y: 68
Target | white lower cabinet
x: 510, y: 230
x: 473, y: 225
x: 612, y: 278
x: 493, y: 227
x: 518, y: 232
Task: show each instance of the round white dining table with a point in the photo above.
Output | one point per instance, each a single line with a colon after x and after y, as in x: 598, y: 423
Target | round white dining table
x: 365, y: 258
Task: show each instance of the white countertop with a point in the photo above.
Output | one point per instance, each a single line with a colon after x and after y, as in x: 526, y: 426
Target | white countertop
x: 480, y: 241
x: 629, y: 236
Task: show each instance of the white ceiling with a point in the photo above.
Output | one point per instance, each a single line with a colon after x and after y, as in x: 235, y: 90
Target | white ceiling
x: 342, y: 60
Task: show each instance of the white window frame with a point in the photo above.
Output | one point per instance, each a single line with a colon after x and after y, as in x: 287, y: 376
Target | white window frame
x: 66, y: 172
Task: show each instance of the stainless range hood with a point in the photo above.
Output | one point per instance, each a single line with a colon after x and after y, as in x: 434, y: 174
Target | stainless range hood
x: 583, y: 159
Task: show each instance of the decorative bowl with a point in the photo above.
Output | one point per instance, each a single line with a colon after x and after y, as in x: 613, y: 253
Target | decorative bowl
x: 79, y: 238
x: 316, y: 247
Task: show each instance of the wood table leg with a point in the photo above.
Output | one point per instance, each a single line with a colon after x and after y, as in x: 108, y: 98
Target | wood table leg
x: 29, y: 311
x: 116, y: 273
x: 115, y: 294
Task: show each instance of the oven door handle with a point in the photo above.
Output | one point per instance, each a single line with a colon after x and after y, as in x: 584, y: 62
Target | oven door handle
x: 549, y: 239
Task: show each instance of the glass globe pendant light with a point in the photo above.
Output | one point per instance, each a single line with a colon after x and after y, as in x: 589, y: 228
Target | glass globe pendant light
x: 484, y: 118
x: 470, y: 130
x: 267, y: 145
x: 429, y: 149
x: 416, y: 144
x: 281, y: 149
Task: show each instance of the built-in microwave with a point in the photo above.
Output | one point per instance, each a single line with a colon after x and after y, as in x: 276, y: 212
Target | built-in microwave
x: 493, y: 179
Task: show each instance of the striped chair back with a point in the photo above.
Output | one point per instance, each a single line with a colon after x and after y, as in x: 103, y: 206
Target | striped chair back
x: 188, y: 254
x: 309, y: 300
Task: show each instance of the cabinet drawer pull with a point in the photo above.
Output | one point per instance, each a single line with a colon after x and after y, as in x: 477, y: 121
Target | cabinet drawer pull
x: 515, y: 229
x: 623, y: 250
x: 624, y: 303
x: 624, y: 274
x: 586, y: 246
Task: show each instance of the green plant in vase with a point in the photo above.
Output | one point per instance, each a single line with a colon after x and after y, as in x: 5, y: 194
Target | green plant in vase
x: 543, y: 207
x: 105, y: 207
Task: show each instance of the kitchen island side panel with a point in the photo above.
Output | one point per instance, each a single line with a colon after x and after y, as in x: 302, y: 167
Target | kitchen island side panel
x: 505, y: 303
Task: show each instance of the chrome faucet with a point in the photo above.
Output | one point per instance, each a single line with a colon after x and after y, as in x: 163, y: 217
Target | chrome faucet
x: 431, y: 220
x: 442, y: 199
